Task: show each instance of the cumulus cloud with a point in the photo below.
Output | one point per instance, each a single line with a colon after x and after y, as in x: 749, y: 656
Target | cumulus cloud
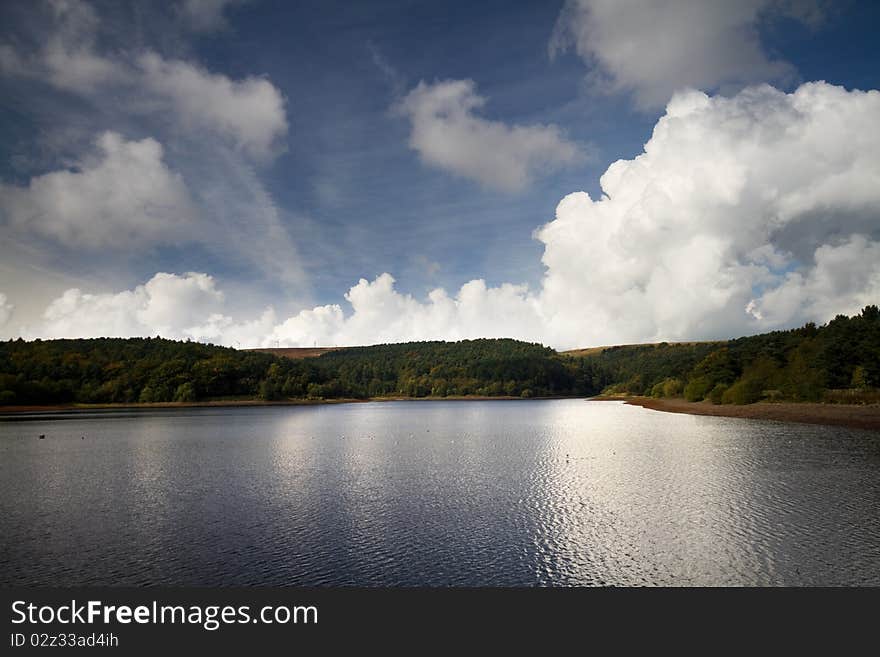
x: 845, y: 278
x: 448, y: 134
x: 731, y: 198
x: 225, y: 330
x: 181, y: 307
x: 195, y: 180
x: 743, y: 214
x: 126, y: 194
x: 166, y: 305
x: 206, y: 15
x: 379, y: 313
x: 656, y: 48
x: 191, y: 306
x: 250, y: 111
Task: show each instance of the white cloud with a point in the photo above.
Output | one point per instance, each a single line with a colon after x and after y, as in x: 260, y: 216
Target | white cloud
x: 203, y: 188
x: 165, y: 305
x: 188, y: 306
x: 845, y: 278
x: 223, y: 329
x: 123, y: 196
x: 191, y: 306
x: 250, y: 112
x: 764, y: 197
x: 206, y: 15
x: 730, y: 196
x: 653, y: 49
x: 447, y: 133
x: 381, y: 314
x: 742, y: 214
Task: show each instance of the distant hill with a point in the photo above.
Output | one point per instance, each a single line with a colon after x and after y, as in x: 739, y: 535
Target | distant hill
x: 295, y: 352
x: 592, y: 351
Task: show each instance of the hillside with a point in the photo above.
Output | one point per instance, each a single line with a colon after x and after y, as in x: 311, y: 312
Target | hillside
x: 295, y: 352
x: 593, y: 351
x: 837, y: 362
x: 150, y: 370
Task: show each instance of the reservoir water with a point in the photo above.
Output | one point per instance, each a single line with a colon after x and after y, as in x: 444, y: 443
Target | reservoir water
x: 436, y: 493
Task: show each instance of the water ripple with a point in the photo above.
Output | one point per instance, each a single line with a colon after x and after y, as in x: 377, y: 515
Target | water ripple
x: 546, y: 493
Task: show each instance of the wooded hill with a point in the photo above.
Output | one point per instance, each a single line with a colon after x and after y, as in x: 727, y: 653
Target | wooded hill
x: 115, y: 370
x: 839, y: 361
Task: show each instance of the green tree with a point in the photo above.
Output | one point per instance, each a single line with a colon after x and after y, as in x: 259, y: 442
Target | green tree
x: 185, y: 392
x: 716, y: 395
x: 859, y: 378
x: 697, y: 388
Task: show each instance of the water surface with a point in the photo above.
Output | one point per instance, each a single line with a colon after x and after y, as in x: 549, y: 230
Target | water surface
x: 523, y: 493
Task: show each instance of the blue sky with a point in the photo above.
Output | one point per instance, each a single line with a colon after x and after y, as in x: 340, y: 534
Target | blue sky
x: 329, y: 185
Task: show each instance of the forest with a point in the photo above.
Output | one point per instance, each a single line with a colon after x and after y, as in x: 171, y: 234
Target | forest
x: 836, y: 362
x: 149, y: 370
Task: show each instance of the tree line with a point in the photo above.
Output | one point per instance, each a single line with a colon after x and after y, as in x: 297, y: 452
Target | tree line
x: 146, y: 370
x: 839, y: 361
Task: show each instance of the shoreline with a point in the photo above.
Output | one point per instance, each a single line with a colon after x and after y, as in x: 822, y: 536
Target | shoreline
x: 840, y: 415
x: 844, y: 415
x: 12, y: 411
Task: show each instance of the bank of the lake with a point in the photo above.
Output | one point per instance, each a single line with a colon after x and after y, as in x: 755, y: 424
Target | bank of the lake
x: 843, y: 415
x: 853, y: 416
x: 223, y: 403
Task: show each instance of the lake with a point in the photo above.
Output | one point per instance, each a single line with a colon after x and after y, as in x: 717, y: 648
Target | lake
x: 437, y: 493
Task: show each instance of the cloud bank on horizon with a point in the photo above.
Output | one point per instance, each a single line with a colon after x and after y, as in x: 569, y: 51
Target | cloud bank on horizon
x: 749, y: 208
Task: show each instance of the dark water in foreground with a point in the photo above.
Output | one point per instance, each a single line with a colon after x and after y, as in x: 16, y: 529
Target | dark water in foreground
x: 561, y: 492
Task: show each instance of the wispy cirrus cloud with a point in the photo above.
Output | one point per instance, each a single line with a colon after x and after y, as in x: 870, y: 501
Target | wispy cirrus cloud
x: 65, y: 56
x: 153, y: 151
x: 206, y: 15
x: 248, y: 113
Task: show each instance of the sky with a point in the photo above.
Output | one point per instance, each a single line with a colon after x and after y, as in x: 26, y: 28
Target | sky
x: 267, y: 173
